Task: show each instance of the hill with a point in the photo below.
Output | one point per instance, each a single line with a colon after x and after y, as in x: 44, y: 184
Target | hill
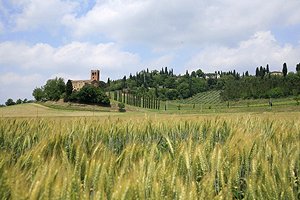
x: 209, y: 97
x: 48, y: 110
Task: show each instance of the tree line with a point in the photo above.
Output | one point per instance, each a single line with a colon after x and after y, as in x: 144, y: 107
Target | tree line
x: 135, y: 100
x: 165, y: 85
x: 140, y: 89
x: 56, y: 89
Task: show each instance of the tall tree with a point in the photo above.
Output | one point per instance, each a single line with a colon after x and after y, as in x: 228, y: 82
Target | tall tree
x: 257, y: 72
x: 124, y: 82
x: 284, y: 69
x: 200, y: 73
x: 298, y: 67
x: 10, y: 102
x: 268, y: 70
x: 69, y: 88
x: 54, y: 88
x: 38, y: 94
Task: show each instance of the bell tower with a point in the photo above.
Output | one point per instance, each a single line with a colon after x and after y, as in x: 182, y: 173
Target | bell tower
x: 95, y: 74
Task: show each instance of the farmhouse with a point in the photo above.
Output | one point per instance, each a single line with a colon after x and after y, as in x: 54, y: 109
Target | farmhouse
x: 211, y: 75
x: 78, y: 84
x: 276, y: 73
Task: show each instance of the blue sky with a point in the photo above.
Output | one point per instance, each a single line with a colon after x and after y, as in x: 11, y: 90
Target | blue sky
x: 40, y: 40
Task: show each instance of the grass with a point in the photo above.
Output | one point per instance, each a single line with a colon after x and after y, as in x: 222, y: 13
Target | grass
x: 43, y: 110
x: 209, y: 102
x: 210, y: 97
x: 151, y: 156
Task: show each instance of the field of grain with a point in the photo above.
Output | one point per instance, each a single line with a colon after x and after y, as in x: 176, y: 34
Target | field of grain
x: 151, y: 157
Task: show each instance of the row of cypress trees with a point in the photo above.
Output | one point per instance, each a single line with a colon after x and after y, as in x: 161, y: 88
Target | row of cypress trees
x: 136, y: 100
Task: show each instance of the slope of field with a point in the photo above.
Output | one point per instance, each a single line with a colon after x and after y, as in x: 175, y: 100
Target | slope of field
x: 240, y: 156
x: 210, y: 97
x: 37, y: 110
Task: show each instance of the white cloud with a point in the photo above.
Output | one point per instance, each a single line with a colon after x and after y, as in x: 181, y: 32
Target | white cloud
x: 162, y: 61
x: 165, y: 23
x: 261, y: 49
x: 74, y: 60
x: 16, y: 86
x: 41, y: 14
x: 75, y: 57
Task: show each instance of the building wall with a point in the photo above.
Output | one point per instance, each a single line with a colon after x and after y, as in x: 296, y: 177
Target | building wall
x: 95, y: 77
x: 77, y: 85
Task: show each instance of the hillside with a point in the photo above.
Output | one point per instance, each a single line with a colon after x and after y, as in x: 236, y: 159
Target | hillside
x: 210, y: 97
x: 38, y: 110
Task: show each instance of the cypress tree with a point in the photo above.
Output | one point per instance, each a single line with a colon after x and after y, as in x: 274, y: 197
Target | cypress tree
x: 284, y: 69
x: 69, y: 88
x: 298, y: 68
x: 257, y: 72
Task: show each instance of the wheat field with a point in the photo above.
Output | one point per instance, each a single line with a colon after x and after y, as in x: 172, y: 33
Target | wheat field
x: 151, y: 157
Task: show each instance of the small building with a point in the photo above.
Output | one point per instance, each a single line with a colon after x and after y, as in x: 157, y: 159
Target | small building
x: 95, y: 77
x: 211, y: 75
x: 276, y: 73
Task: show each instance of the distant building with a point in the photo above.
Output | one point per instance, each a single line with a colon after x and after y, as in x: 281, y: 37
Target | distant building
x: 211, y: 75
x: 276, y: 73
x: 95, y: 77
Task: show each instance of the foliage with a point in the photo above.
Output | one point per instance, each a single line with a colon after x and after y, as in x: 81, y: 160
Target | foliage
x: 38, y: 94
x: 10, y: 102
x: 19, y: 101
x: 298, y: 68
x: 284, y: 69
x: 261, y: 87
x: 121, y: 107
x: 166, y: 85
x: 91, y: 94
x: 69, y: 88
x: 54, y: 89
x: 141, y: 158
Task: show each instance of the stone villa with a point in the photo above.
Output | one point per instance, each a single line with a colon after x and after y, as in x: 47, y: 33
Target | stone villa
x: 95, y: 77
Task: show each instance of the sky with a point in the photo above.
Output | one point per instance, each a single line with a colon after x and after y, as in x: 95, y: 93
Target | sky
x: 40, y: 40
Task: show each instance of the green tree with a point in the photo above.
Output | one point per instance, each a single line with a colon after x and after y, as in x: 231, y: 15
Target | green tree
x: 124, y: 82
x: 10, y: 102
x: 121, y: 107
x: 257, y: 73
x: 171, y: 94
x: 19, y: 101
x: 69, y: 88
x: 298, y: 68
x: 54, y: 89
x: 184, y: 90
x: 200, y: 73
x: 284, y: 69
x: 38, y: 94
x: 91, y: 94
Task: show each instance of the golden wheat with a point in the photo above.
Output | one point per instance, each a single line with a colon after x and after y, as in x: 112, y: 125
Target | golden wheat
x: 183, y: 157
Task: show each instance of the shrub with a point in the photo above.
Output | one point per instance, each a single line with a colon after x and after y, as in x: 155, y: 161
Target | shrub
x: 121, y: 107
x: 10, y: 102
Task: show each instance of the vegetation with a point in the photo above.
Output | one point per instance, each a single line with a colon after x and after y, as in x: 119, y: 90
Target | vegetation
x: 165, y: 85
x: 121, y: 107
x: 56, y: 89
x: 91, y: 95
x: 10, y: 102
x: 209, y: 97
x: 150, y: 158
x: 52, y: 90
